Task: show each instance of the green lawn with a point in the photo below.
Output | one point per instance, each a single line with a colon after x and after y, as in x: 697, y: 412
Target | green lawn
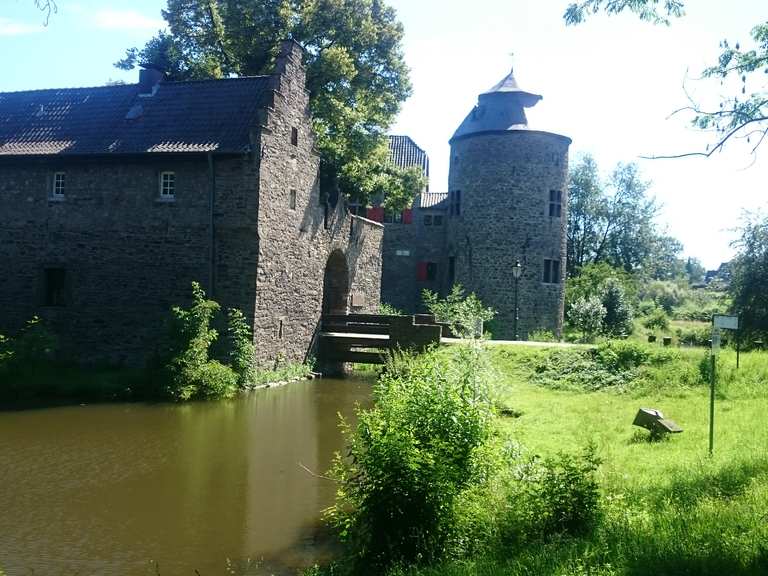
x: 668, y: 507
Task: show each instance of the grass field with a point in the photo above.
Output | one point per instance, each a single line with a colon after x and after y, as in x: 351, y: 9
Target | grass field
x: 668, y: 508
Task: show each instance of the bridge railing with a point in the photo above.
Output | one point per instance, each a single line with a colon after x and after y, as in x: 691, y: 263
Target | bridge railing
x: 367, y: 338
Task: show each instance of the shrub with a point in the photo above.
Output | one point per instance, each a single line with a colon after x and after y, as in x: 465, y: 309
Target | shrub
x: 618, y: 312
x: 35, y: 343
x: 566, y: 497
x: 542, y: 336
x: 188, y: 371
x: 656, y: 320
x: 617, y: 355
x: 668, y: 295
x: 460, y: 312
x: 411, y: 456
x: 576, y: 370
x: 694, y: 336
x: 240, y: 351
x: 389, y: 310
x: 586, y: 315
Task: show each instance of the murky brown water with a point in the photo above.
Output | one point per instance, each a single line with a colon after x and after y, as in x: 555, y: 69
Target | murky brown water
x: 127, y: 489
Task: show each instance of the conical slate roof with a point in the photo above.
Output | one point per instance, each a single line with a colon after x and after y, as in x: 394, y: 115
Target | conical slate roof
x: 500, y: 108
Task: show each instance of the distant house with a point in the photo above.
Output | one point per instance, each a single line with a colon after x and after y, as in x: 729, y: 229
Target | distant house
x: 114, y: 199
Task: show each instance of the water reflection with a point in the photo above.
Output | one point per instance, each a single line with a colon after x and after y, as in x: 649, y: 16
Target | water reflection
x: 113, y: 489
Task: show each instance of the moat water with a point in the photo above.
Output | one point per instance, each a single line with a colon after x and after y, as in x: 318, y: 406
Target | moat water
x: 217, y: 487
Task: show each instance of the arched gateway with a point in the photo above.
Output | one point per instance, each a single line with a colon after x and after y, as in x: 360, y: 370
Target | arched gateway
x: 336, y: 284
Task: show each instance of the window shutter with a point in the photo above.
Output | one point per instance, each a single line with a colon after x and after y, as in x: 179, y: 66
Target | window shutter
x: 421, y: 271
x: 376, y: 214
x: 407, y: 216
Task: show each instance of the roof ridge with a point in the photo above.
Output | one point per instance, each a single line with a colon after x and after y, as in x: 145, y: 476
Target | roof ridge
x: 133, y: 84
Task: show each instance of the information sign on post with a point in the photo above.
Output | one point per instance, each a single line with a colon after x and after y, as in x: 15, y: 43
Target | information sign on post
x: 719, y: 322
x: 725, y: 321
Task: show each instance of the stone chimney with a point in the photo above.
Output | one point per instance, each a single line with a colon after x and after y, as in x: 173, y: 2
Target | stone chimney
x: 149, y: 78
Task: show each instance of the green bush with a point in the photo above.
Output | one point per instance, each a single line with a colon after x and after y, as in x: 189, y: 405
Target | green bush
x: 695, y: 336
x: 657, y: 319
x: 240, y: 349
x: 618, y: 311
x: 586, y: 315
x: 575, y: 370
x: 411, y: 457
x: 188, y: 371
x: 542, y: 336
x: 461, y: 312
x: 389, y: 310
x: 565, y: 496
x: 618, y: 355
x: 666, y: 294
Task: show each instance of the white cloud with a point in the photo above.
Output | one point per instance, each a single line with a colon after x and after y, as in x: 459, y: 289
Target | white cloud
x: 125, y: 20
x: 10, y: 28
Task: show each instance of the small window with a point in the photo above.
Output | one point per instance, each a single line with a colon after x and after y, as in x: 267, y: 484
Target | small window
x: 551, y: 271
x: 437, y: 220
x: 292, y: 199
x: 59, y: 185
x: 55, y: 286
x: 167, y: 185
x: 295, y: 136
x: 280, y: 330
x: 451, y: 270
x: 431, y: 271
x: 555, y: 203
x: 427, y: 219
x: 454, y: 206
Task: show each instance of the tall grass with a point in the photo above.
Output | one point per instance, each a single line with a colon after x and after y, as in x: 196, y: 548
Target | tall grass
x: 667, y: 508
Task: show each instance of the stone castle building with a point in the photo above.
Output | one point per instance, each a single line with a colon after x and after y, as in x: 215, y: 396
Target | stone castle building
x: 506, y: 204
x: 114, y: 199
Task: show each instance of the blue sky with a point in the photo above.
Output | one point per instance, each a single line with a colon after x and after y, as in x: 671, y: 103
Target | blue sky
x: 609, y: 84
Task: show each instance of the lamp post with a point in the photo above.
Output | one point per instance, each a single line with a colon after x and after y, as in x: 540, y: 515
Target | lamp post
x: 517, y: 271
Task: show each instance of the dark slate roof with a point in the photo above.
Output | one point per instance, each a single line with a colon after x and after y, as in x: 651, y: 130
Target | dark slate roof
x: 501, y: 108
x: 404, y: 152
x: 194, y: 116
x: 433, y: 200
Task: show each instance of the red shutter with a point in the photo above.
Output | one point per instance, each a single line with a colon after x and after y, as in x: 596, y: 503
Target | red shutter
x: 407, y: 216
x: 421, y: 271
x: 376, y: 214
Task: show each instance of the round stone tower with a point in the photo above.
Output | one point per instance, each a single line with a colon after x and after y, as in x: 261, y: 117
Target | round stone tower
x: 508, y: 203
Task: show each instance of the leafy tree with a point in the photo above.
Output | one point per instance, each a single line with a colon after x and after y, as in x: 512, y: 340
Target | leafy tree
x: 743, y: 112
x: 592, y: 278
x: 664, y: 262
x: 586, y: 314
x: 618, y: 311
x: 614, y: 222
x: 356, y: 75
x: 749, y: 275
x: 695, y: 270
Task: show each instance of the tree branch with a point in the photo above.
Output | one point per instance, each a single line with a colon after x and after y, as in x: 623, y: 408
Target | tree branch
x: 47, y: 6
x: 717, y: 147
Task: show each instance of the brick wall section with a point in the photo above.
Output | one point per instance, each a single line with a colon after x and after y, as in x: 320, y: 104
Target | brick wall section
x: 505, y: 179
x: 295, y: 243
x: 399, y: 284
x: 129, y: 257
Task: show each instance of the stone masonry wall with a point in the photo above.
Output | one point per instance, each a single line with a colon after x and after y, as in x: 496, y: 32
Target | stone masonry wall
x: 127, y: 255
x: 130, y: 256
x: 400, y: 286
x: 505, y: 179
x: 296, y: 242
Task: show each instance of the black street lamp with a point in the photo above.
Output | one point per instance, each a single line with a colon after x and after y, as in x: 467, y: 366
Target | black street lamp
x: 517, y: 271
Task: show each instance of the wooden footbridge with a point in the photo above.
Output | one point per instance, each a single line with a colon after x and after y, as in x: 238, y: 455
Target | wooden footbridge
x: 368, y: 338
